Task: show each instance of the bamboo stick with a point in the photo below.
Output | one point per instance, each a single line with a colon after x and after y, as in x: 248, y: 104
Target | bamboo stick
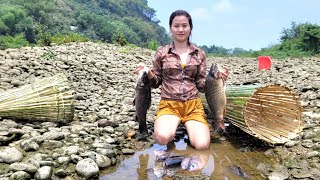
x: 48, y: 99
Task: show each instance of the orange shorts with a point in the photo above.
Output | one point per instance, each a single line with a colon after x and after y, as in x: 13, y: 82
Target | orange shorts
x: 185, y: 110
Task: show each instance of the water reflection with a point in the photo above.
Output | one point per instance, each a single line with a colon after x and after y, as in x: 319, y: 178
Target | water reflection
x: 141, y: 164
x: 221, y: 161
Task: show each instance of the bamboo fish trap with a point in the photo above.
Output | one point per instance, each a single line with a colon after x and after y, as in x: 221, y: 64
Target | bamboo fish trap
x: 47, y: 99
x: 272, y: 113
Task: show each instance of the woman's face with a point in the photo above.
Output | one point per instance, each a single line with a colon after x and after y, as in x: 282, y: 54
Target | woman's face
x: 180, y: 29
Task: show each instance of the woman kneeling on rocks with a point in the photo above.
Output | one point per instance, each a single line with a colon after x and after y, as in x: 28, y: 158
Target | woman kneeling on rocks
x: 180, y: 68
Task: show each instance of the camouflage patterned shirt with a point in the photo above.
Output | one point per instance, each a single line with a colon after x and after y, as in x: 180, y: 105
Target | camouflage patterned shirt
x: 178, y: 83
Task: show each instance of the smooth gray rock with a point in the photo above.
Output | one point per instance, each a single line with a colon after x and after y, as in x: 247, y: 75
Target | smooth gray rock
x: 10, y: 155
x: 29, y: 168
x: 21, y: 175
x: 87, y: 168
x: 43, y: 173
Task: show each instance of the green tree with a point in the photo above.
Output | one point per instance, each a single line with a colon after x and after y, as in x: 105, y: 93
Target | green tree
x: 13, y: 19
x: 153, y: 44
x: 99, y: 19
x: 17, y: 41
x: 302, y: 37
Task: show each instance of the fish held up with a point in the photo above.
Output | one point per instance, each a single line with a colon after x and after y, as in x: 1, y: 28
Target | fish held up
x: 215, y: 93
x: 142, y: 101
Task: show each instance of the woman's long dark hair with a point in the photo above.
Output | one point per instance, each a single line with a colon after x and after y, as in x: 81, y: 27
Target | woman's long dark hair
x: 181, y: 13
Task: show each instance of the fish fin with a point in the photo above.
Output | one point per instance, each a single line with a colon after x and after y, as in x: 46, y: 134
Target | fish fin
x: 219, y: 127
x: 222, y: 126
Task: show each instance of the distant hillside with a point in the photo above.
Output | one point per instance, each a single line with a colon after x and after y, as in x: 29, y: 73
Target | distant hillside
x: 121, y: 21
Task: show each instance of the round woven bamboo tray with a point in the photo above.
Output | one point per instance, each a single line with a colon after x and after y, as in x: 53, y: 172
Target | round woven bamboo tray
x: 272, y: 113
x: 47, y: 99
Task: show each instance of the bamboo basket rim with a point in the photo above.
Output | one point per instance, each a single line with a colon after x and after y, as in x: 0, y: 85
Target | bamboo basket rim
x: 282, y: 138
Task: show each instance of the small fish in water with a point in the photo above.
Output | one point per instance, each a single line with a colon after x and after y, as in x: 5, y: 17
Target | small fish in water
x: 238, y: 171
x: 173, y: 161
x: 142, y: 101
x: 195, y: 163
x: 170, y: 172
x: 215, y: 93
x: 162, y: 155
x: 159, y: 171
x: 185, y: 163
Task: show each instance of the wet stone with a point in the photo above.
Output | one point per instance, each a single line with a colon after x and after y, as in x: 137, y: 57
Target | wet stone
x: 72, y: 150
x: 316, y: 139
x: 109, y: 129
x: 45, y: 172
x: 16, y: 83
x: 63, y: 160
x: 30, y: 168
x: 75, y: 158
x: 20, y: 175
x: 52, y: 144
x: 29, y: 145
x: 61, y: 173
x: 88, y: 168
x: 8, y: 124
x: 313, y: 154
x: 107, y: 152
x: 51, y: 135
x: 291, y: 143
x: 47, y: 163
x: 127, y: 151
x: 302, y: 175
x: 307, y: 143
x: 4, y: 139
x: 4, y: 133
x: 10, y: 155
x: 316, y: 147
x: 278, y: 176
x: 309, y: 135
x: 88, y: 140
x: 103, y: 161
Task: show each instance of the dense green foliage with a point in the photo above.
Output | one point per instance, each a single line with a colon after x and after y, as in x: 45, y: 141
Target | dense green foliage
x: 47, y: 21
x: 123, y: 22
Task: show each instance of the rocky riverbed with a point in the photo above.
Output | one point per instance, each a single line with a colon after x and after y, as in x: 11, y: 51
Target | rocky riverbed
x: 102, y: 77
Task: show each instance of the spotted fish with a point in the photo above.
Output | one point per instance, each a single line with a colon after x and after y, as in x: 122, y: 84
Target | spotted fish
x: 215, y: 93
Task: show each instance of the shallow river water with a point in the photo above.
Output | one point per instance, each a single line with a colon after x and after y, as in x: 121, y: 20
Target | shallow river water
x: 222, y: 155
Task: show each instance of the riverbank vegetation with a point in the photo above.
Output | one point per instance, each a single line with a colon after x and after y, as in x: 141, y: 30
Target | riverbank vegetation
x: 125, y: 22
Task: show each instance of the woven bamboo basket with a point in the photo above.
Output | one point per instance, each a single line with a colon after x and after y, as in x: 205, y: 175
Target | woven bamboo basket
x: 272, y: 113
x: 47, y: 99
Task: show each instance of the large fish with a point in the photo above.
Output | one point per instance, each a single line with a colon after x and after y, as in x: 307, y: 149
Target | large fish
x: 215, y: 93
x: 142, y: 101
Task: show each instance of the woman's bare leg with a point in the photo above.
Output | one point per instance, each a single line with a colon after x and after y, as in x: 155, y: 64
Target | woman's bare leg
x: 165, y: 128
x: 199, y: 134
